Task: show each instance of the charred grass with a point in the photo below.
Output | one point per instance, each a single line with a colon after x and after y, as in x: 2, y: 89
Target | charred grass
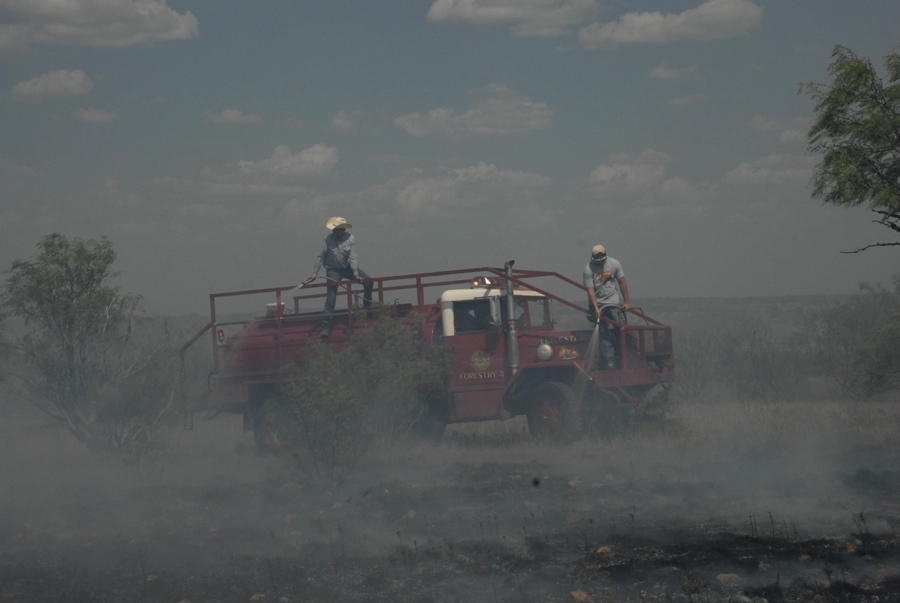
x: 700, y: 500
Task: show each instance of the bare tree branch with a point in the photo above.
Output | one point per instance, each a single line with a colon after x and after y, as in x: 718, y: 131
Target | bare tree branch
x: 873, y: 245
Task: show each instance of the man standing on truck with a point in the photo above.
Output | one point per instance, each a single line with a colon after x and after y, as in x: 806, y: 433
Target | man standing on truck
x: 604, y: 279
x: 338, y: 256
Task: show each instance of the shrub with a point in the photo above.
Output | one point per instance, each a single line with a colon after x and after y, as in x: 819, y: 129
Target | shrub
x: 82, y: 355
x: 345, y: 398
x: 855, y: 341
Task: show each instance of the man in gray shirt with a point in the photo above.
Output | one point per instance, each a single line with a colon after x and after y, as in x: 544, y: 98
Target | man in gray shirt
x: 338, y: 257
x: 604, y: 278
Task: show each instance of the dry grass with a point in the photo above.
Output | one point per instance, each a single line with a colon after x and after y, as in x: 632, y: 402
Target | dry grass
x: 709, y: 426
x: 762, y: 424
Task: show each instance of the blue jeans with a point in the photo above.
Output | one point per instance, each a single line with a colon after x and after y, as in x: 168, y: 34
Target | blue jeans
x: 607, y: 348
x: 343, y: 274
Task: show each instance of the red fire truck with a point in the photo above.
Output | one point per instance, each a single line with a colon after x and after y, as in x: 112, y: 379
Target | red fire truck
x: 508, y: 357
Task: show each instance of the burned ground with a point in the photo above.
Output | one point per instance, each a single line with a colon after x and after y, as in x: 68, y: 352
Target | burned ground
x: 711, y: 501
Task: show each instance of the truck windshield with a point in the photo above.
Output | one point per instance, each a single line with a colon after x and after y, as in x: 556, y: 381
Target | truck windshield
x: 530, y: 312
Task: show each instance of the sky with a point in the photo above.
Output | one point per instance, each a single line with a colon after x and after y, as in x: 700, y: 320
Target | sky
x: 210, y: 140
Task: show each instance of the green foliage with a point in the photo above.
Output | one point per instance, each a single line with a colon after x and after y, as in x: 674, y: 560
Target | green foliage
x: 5, y: 352
x: 884, y: 358
x: 857, y: 132
x: 345, y: 398
x: 82, y: 356
x: 855, y: 342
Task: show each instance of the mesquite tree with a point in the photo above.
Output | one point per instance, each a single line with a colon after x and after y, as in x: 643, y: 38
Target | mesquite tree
x: 857, y: 133
x: 82, y: 355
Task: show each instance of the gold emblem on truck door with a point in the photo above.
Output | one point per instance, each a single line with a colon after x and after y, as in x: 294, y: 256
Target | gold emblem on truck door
x: 480, y: 360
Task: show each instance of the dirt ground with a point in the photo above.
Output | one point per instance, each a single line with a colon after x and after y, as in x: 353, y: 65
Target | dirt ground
x: 709, y: 501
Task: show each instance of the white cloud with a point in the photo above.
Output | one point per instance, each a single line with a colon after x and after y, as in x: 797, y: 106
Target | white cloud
x: 780, y: 170
x: 217, y: 185
x: 525, y: 17
x: 305, y: 210
x: 790, y: 131
x: 684, y: 101
x: 436, y: 121
x: 485, y: 173
x: 635, y: 187
x: 231, y: 116
x: 102, y: 23
x: 311, y: 162
x: 346, y: 121
x: 110, y: 195
x: 9, y: 168
x: 638, y: 187
x: 54, y: 84
x: 243, y: 189
x: 765, y: 124
x: 531, y: 217
x: 427, y: 193
x: 500, y: 111
x: 664, y: 72
x: 679, y: 190
x: 465, y: 185
x: 667, y: 212
x: 96, y: 116
x: 792, y: 136
x: 712, y: 20
x: 629, y: 174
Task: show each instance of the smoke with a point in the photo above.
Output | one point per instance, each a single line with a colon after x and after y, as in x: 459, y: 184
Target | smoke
x: 786, y: 471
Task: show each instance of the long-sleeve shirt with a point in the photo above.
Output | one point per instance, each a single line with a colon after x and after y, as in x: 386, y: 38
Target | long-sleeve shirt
x: 337, y: 253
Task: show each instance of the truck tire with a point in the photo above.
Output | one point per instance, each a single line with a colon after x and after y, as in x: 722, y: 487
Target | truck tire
x: 275, y: 429
x: 431, y: 421
x: 554, y: 412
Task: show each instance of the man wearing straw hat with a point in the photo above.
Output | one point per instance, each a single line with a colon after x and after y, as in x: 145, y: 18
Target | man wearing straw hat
x: 604, y: 279
x: 338, y: 256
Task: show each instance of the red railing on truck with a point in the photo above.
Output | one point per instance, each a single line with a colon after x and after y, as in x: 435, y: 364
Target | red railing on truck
x: 637, y: 341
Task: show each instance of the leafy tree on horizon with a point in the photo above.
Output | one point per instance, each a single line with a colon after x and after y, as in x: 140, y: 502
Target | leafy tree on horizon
x: 857, y: 133
x: 83, y: 357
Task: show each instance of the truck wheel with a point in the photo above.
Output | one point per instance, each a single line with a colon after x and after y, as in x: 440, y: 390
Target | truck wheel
x: 431, y: 421
x: 554, y: 412
x: 275, y: 428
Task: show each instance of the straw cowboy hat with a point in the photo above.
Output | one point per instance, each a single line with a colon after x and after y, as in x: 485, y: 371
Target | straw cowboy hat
x: 337, y: 222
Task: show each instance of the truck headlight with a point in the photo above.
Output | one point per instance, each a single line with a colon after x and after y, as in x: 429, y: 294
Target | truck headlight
x: 544, y: 352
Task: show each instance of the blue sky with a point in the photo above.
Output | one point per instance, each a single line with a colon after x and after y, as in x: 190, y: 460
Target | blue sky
x: 210, y: 140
